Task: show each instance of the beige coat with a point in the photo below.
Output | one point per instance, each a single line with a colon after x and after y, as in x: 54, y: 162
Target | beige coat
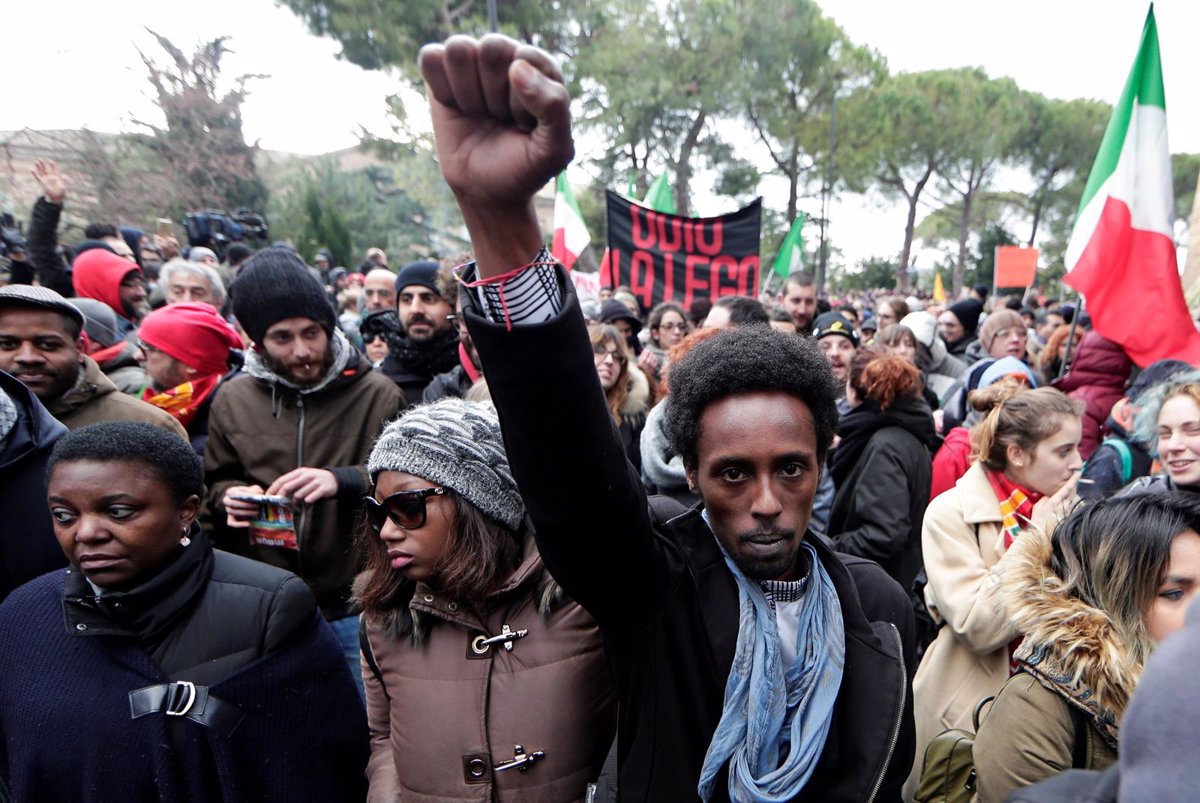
x: 447, y: 713
x: 965, y: 560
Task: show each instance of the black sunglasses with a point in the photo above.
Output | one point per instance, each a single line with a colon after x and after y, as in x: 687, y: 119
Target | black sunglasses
x: 406, y: 509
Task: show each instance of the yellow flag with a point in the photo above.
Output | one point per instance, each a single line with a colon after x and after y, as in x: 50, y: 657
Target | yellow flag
x: 939, y: 290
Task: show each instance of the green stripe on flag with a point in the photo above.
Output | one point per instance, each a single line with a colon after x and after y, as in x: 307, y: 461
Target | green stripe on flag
x: 791, y: 250
x: 660, y: 197
x: 1145, y: 86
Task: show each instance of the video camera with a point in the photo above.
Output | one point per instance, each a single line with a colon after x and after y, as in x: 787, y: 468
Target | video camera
x: 11, y: 239
x: 217, y: 230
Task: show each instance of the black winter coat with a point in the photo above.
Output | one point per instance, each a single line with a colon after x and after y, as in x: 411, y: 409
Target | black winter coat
x: 665, y: 600
x: 879, y: 506
x: 28, y: 547
x: 453, y: 384
x: 287, y: 723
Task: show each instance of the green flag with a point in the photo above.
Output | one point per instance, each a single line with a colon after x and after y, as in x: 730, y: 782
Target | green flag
x: 660, y: 197
x: 791, y: 253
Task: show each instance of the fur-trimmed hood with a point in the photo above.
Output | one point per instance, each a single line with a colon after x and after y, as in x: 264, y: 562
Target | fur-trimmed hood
x: 638, y: 401
x: 1069, y: 646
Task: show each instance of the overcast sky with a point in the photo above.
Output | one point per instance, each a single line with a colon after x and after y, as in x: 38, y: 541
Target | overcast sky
x: 73, y: 63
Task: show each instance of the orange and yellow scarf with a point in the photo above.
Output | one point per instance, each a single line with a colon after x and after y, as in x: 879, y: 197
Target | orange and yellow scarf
x: 182, y: 401
x: 1016, y: 504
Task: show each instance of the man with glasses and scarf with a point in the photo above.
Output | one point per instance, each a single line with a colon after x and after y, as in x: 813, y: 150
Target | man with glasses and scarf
x: 752, y: 662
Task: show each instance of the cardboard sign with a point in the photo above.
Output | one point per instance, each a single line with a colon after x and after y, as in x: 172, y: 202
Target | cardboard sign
x: 663, y: 257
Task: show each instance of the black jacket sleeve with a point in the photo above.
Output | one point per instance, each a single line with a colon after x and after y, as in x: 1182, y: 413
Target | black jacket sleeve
x: 49, y: 266
x: 587, y: 505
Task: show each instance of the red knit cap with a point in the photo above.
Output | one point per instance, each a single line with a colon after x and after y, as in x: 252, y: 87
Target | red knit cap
x: 194, y: 334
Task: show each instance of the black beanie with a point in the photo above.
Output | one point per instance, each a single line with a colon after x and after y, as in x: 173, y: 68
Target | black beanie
x: 274, y: 285
x: 967, y: 311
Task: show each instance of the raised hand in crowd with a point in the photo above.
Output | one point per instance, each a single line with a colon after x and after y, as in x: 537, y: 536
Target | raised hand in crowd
x: 53, y: 183
x: 167, y: 246
x: 502, y: 122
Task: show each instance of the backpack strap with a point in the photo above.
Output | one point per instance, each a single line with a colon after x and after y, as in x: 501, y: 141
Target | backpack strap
x: 1122, y: 449
x: 1080, y: 751
x: 364, y: 644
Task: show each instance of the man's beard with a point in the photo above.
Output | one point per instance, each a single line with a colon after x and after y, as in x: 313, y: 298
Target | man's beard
x: 425, y: 336
x: 280, y: 369
x: 756, y: 568
x: 60, y: 381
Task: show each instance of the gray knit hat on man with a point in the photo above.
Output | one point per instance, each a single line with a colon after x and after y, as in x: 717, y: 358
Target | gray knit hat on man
x: 456, y: 444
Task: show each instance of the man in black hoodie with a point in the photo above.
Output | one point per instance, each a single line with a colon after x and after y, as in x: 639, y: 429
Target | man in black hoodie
x: 28, y: 547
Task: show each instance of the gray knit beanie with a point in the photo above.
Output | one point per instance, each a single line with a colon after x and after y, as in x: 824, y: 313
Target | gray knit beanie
x: 456, y: 444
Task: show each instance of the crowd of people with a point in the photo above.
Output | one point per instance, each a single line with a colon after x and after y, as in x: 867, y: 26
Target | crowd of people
x: 276, y: 530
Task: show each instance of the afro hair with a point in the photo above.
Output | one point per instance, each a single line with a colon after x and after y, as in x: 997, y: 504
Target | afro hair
x: 749, y: 359
x: 168, y: 456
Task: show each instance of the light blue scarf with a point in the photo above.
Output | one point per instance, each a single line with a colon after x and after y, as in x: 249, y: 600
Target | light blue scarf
x: 775, y: 721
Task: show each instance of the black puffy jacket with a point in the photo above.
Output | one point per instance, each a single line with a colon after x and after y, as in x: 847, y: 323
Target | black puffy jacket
x: 28, y: 547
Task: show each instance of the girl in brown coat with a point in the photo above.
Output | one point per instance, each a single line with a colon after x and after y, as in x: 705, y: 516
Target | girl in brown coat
x: 1091, y: 603
x: 483, y: 682
x: 1027, y: 462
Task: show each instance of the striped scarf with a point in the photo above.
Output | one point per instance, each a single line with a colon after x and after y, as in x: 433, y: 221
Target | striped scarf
x: 1016, y: 505
x: 183, y: 401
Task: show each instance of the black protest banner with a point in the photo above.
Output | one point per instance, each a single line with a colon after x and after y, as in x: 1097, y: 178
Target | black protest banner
x: 663, y: 257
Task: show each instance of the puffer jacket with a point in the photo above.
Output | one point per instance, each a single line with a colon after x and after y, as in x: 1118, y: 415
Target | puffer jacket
x: 1071, y: 658
x: 259, y: 429
x: 95, y: 398
x: 275, y: 715
x: 450, y: 712
x: 1097, y: 377
x: 963, y: 547
x: 28, y: 547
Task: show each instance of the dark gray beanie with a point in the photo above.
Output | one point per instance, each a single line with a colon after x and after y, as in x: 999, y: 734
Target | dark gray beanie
x: 274, y: 285
x: 456, y: 444
x: 99, y: 321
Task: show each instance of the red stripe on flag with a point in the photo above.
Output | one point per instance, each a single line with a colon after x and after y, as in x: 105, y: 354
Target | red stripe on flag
x: 1130, y: 281
x: 558, y: 249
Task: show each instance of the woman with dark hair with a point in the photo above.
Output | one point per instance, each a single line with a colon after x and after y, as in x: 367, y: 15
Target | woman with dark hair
x: 1091, y: 602
x: 484, y: 682
x: 626, y: 388
x: 668, y: 326
x: 157, y: 668
x: 1026, y: 466
x: 881, y: 465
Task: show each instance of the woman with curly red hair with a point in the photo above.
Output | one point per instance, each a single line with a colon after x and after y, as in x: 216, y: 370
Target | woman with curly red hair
x: 881, y: 466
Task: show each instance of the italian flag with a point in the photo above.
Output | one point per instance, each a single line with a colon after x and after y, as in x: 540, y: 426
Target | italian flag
x: 1121, y: 256
x: 570, y: 235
